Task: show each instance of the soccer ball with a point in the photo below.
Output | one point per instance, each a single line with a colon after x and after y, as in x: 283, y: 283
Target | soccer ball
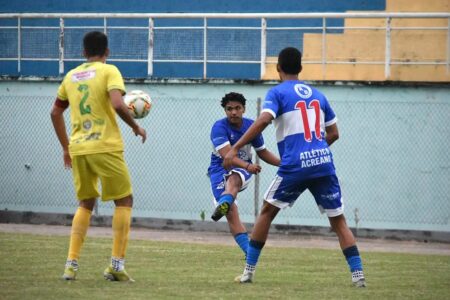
x: 139, y: 103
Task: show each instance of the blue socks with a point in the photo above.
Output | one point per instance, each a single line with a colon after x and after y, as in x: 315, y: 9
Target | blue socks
x: 226, y: 198
x: 253, y: 252
x: 242, y: 240
x: 353, y: 259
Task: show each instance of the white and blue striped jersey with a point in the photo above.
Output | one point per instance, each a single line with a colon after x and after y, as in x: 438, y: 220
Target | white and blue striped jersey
x: 222, y: 134
x: 301, y: 114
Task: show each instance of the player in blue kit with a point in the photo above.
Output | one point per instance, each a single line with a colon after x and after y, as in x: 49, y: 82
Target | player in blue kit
x: 305, y: 128
x: 225, y: 184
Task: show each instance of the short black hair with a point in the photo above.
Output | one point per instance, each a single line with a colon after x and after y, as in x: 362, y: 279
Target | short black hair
x: 290, y: 60
x: 95, y: 43
x: 233, y: 97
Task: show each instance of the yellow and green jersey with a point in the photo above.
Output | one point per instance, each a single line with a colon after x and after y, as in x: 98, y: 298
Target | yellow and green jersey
x: 94, y: 127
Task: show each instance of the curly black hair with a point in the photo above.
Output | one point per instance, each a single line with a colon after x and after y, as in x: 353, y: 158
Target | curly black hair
x: 233, y: 97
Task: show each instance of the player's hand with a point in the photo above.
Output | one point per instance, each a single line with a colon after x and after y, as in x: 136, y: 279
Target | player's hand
x: 254, y: 168
x: 67, y: 160
x: 141, y: 132
x: 228, y: 159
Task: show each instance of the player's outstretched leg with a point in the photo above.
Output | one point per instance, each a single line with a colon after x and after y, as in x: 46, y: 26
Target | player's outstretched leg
x: 253, y: 253
x: 121, y: 227
x: 349, y: 249
x: 257, y: 241
x: 237, y: 229
x: 355, y: 264
x: 242, y: 241
x: 223, y: 207
x: 80, y: 225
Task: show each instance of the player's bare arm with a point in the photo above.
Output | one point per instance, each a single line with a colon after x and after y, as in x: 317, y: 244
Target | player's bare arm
x: 60, y: 129
x: 256, y: 128
x: 237, y: 162
x: 122, y: 110
x: 331, y: 134
x: 269, y: 157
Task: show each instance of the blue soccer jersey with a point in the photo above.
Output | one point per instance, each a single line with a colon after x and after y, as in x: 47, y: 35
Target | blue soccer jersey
x: 222, y: 134
x: 301, y: 114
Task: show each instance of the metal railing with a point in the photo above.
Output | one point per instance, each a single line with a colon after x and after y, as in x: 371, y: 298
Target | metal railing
x: 261, y: 57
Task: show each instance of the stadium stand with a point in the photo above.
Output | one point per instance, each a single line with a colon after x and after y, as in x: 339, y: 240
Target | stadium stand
x: 370, y: 46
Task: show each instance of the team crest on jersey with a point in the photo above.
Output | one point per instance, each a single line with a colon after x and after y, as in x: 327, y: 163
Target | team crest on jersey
x: 87, y: 125
x: 303, y: 90
x: 243, y: 155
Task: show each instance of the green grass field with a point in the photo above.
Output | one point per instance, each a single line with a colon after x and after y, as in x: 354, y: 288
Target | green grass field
x: 31, y: 266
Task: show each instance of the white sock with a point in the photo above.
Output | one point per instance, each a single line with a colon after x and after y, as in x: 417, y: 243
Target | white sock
x: 249, y: 269
x: 118, y: 264
x: 72, y: 263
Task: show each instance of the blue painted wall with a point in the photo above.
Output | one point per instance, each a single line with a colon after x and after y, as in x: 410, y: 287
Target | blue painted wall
x: 236, y: 45
x: 141, y: 6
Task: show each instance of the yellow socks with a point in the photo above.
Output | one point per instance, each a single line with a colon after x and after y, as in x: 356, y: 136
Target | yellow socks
x: 121, y: 228
x: 80, y: 225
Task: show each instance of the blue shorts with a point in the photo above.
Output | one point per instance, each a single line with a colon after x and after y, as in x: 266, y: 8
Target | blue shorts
x: 283, y: 191
x: 218, y: 180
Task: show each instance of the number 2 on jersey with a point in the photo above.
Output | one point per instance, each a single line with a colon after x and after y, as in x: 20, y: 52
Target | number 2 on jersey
x: 84, y: 109
x: 314, y: 104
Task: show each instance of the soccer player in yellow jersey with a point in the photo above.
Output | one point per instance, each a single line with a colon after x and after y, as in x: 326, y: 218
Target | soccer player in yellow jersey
x: 94, y: 91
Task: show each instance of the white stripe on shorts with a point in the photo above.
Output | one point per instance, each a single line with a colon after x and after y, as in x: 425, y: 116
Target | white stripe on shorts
x: 268, y: 196
x: 333, y: 212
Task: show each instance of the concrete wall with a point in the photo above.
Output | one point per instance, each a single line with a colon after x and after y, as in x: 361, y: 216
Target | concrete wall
x: 392, y: 158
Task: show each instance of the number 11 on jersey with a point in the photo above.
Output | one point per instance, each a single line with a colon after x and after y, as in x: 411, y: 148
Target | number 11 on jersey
x: 314, y: 104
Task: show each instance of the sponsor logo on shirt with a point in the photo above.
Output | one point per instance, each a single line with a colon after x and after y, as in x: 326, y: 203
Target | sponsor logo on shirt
x: 315, y: 157
x: 83, y: 76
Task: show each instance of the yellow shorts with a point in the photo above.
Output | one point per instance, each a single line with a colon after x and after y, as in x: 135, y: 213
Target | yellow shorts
x: 109, y: 167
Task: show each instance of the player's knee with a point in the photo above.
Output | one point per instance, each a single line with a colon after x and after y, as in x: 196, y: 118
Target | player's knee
x: 87, y: 204
x: 234, y: 184
x: 269, y: 211
x: 126, y: 201
x: 234, y: 179
x: 338, y: 223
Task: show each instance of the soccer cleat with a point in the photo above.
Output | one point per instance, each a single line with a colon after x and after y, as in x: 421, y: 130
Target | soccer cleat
x: 220, y: 211
x: 358, y: 279
x: 69, y: 273
x: 112, y: 275
x: 246, y: 277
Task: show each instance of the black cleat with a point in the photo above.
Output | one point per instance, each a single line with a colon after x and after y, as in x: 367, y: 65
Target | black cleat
x: 220, y: 211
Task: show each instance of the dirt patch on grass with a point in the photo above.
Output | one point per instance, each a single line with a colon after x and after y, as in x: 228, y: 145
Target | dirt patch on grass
x: 218, y: 238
